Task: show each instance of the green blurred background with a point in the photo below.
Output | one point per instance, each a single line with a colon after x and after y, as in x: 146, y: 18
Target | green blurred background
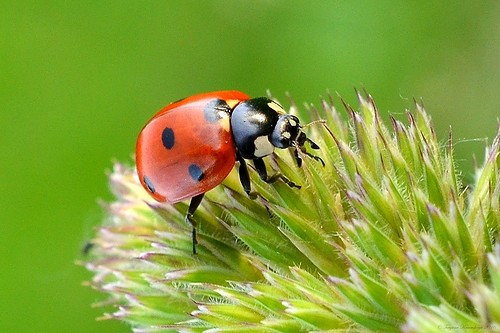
x: 78, y: 80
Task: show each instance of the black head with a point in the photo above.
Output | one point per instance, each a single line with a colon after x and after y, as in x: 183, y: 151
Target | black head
x: 286, y: 131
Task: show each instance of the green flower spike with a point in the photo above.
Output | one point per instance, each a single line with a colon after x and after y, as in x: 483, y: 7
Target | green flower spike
x: 383, y: 238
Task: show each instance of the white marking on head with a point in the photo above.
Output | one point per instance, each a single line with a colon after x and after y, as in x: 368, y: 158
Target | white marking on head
x: 263, y: 146
x: 286, y: 135
x: 276, y: 107
x: 292, y: 122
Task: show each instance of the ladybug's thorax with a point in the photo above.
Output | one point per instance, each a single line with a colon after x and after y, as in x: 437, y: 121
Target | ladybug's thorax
x: 259, y: 125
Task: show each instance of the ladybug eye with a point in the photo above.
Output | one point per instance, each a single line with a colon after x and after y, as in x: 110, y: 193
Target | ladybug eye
x: 286, y: 131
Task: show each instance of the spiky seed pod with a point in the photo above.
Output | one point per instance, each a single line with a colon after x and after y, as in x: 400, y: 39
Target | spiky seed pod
x: 384, y: 238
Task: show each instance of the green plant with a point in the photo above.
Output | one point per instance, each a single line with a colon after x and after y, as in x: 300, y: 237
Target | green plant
x: 383, y: 238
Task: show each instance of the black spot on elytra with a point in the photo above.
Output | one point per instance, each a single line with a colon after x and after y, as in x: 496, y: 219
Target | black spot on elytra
x: 149, y: 184
x: 195, y: 172
x: 215, y: 110
x: 167, y: 137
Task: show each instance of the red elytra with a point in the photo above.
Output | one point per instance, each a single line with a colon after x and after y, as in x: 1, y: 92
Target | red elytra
x: 194, y: 143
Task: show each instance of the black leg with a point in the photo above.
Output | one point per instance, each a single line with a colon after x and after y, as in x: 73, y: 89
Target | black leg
x: 193, y: 205
x: 298, y: 159
x: 313, y: 146
x: 260, y: 166
x: 244, y: 177
x: 296, y: 154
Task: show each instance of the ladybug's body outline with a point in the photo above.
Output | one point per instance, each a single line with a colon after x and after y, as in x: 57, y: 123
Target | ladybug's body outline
x: 191, y: 145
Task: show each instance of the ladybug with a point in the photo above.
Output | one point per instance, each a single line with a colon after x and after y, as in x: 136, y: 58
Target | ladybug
x: 191, y: 145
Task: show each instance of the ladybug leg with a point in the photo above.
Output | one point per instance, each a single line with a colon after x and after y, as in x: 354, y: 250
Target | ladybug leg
x: 260, y: 166
x: 313, y: 144
x: 317, y: 158
x: 298, y: 159
x: 193, y: 205
x: 245, y: 177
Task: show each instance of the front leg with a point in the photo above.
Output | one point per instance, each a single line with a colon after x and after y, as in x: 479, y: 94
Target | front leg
x: 297, y: 156
x: 260, y: 166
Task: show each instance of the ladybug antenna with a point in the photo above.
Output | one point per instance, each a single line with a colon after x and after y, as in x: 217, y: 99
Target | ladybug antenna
x: 311, y: 142
x: 322, y: 121
x: 298, y: 158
